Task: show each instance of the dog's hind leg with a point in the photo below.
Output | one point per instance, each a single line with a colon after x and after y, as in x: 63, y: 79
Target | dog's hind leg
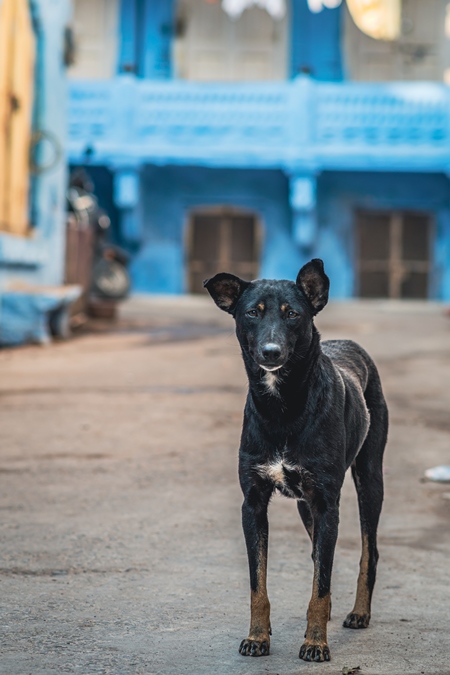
x: 256, y: 530
x: 367, y: 472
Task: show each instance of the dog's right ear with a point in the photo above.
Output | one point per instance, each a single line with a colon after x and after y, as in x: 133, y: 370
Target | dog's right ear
x: 225, y: 289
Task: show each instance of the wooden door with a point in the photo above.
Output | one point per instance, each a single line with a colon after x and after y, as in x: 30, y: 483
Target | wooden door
x: 222, y: 241
x: 394, y: 251
x: 17, y: 56
x: 420, y: 53
x: 212, y: 46
x: 96, y: 35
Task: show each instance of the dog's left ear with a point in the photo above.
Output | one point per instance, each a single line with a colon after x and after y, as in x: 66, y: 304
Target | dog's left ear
x: 225, y: 289
x: 314, y: 284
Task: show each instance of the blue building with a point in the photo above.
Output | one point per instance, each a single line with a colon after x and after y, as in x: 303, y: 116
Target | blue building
x: 252, y: 144
x: 32, y: 168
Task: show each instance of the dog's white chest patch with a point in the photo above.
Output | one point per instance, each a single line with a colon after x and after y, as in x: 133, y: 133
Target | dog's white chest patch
x: 271, y: 381
x: 286, y: 477
x: 273, y: 471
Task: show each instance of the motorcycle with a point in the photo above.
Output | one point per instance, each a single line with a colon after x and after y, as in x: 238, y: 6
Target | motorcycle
x: 110, y: 278
x: 106, y: 280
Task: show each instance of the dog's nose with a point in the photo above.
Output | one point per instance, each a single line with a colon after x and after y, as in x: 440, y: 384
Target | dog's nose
x: 271, y: 352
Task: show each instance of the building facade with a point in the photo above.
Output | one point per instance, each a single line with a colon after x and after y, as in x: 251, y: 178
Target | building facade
x: 252, y: 144
x: 32, y: 167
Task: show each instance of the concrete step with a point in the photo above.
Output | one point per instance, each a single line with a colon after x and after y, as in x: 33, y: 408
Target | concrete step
x: 35, y: 313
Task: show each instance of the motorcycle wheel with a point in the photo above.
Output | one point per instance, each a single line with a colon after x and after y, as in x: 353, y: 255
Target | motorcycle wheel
x: 110, y: 279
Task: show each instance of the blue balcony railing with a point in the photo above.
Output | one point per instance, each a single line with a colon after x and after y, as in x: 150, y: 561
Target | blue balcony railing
x: 300, y: 125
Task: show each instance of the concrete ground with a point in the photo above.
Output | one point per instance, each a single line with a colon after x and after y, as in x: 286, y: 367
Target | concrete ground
x: 121, y: 544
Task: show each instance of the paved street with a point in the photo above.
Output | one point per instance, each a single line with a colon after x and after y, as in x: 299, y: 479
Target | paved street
x: 121, y: 544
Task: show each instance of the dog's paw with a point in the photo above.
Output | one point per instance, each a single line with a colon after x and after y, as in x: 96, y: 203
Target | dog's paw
x: 309, y: 651
x: 251, y: 647
x: 354, y: 620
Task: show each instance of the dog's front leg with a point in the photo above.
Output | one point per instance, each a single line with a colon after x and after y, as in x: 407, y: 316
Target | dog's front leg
x: 256, y: 531
x: 326, y: 518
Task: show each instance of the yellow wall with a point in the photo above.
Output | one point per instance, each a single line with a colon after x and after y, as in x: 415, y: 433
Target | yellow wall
x: 17, y: 54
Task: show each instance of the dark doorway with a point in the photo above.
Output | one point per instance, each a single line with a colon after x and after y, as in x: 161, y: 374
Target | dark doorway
x: 393, y: 254
x: 222, y: 240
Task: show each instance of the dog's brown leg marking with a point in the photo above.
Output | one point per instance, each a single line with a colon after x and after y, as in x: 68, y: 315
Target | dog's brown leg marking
x: 359, y: 617
x: 258, y: 641
x: 315, y: 647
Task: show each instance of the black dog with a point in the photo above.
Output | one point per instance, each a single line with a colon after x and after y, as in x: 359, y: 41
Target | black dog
x: 312, y: 411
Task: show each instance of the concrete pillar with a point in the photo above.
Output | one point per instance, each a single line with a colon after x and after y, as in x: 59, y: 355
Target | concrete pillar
x: 126, y: 198
x: 302, y: 197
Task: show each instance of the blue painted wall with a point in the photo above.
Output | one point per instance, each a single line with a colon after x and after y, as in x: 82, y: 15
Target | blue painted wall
x: 171, y: 193
x: 50, y: 200
x: 147, y: 28
x: 338, y: 132
x: 40, y: 259
x: 340, y: 194
x: 30, y: 266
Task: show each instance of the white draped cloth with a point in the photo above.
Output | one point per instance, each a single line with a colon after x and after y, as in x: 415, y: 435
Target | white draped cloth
x: 318, y: 5
x: 381, y: 19
x: 276, y: 8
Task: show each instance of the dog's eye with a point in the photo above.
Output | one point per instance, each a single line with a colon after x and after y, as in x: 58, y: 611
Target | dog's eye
x: 291, y: 314
x: 252, y: 313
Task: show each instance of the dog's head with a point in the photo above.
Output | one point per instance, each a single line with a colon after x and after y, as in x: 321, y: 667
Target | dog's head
x: 274, y: 319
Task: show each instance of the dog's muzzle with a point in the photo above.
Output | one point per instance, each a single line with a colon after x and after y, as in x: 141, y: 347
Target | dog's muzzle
x: 272, y: 357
